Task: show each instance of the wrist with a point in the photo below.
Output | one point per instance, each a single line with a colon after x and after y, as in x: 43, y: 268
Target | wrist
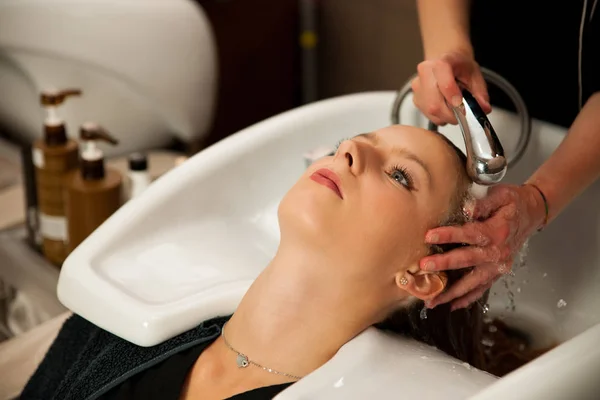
x: 439, y: 50
x: 538, y: 206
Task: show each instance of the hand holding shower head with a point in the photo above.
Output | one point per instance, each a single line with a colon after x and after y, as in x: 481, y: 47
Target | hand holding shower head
x: 486, y: 164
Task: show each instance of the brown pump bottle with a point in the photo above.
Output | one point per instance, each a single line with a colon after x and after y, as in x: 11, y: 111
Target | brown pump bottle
x: 54, y: 156
x: 94, y: 192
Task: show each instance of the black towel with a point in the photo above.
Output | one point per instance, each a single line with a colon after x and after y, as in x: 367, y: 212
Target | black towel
x: 85, y: 361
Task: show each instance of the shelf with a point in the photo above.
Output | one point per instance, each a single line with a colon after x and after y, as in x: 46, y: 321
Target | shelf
x: 27, y: 271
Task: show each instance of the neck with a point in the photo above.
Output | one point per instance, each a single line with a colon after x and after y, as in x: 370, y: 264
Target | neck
x: 294, y: 322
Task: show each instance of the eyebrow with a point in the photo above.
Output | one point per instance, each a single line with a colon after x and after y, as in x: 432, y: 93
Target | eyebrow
x: 371, y: 137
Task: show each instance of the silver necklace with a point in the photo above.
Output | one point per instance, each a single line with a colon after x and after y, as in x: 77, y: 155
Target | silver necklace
x: 243, y: 361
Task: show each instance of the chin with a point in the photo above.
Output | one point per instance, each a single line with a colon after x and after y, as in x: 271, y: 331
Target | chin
x: 309, y: 220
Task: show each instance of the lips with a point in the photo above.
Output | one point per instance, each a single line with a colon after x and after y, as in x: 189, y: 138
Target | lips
x: 329, y: 179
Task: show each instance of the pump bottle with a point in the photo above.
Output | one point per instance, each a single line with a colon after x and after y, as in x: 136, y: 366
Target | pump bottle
x: 53, y: 156
x: 94, y: 192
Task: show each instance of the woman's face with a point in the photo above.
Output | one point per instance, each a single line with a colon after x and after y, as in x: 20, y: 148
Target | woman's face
x: 369, y: 206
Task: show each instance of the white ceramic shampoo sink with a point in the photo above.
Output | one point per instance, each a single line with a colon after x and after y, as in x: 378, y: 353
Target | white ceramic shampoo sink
x: 190, y: 246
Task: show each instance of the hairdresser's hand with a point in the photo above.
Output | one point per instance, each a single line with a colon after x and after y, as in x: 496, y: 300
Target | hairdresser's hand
x: 502, y: 223
x: 437, y: 82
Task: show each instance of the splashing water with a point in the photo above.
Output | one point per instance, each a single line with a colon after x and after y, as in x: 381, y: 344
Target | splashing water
x: 484, y: 307
x: 502, y: 269
x: 423, y: 314
x: 561, y: 304
x: 522, y: 255
x: 511, y: 296
x: 475, y: 192
x: 467, y: 215
x: 478, y: 191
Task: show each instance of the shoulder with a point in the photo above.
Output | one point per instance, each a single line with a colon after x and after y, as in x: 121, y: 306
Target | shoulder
x: 85, y: 359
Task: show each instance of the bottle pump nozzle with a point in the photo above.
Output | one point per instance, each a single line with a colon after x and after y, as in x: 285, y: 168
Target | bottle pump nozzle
x: 55, y: 132
x: 92, y: 158
x: 91, y: 131
x: 57, y: 97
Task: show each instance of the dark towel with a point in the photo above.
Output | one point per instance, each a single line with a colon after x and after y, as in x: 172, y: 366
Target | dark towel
x: 85, y: 361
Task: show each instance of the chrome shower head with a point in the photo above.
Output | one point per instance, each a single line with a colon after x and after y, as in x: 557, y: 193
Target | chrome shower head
x: 486, y: 164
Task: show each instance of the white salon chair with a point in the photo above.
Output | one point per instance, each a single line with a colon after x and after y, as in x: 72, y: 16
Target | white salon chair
x: 147, y: 68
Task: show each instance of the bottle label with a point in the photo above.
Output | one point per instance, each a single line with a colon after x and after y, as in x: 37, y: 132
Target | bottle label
x: 53, y: 228
x: 38, y: 157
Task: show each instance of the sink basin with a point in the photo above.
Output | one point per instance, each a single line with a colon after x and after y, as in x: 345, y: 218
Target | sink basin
x: 190, y: 246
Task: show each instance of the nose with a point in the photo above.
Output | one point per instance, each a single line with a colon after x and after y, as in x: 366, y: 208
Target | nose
x: 351, y: 155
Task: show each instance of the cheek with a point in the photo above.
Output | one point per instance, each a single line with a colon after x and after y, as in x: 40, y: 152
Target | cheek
x: 393, y: 224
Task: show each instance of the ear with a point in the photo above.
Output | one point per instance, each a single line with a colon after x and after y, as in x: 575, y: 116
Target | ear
x: 424, y: 285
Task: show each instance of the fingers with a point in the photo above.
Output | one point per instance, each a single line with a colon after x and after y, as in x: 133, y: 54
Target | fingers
x: 470, y: 297
x: 479, y: 90
x: 446, y: 83
x: 428, y: 97
x: 480, y: 276
x: 455, y: 259
x: 470, y: 233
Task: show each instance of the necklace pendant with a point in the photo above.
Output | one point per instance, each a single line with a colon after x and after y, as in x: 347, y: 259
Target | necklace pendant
x: 242, y: 361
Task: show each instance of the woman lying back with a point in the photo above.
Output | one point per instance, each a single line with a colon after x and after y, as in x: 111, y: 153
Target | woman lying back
x: 352, y: 232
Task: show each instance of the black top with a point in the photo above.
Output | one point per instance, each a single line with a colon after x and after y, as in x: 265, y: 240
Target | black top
x: 86, y: 362
x: 164, y: 381
x: 535, y: 45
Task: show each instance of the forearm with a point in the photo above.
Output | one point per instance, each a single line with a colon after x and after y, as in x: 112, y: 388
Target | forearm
x: 575, y: 164
x: 444, y: 26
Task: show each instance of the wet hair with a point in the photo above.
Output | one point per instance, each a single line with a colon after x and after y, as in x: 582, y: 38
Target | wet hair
x: 457, y: 333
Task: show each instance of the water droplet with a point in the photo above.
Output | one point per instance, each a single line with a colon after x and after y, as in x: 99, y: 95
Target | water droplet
x: 522, y: 256
x: 492, y: 328
x: 518, y: 290
x: 561, y: 303
x: 521, y: 347
x: 485, y: 308
x: 544, y: 275
x: 487, y: 342
x: 423, y: 313
x: 467, y: 215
